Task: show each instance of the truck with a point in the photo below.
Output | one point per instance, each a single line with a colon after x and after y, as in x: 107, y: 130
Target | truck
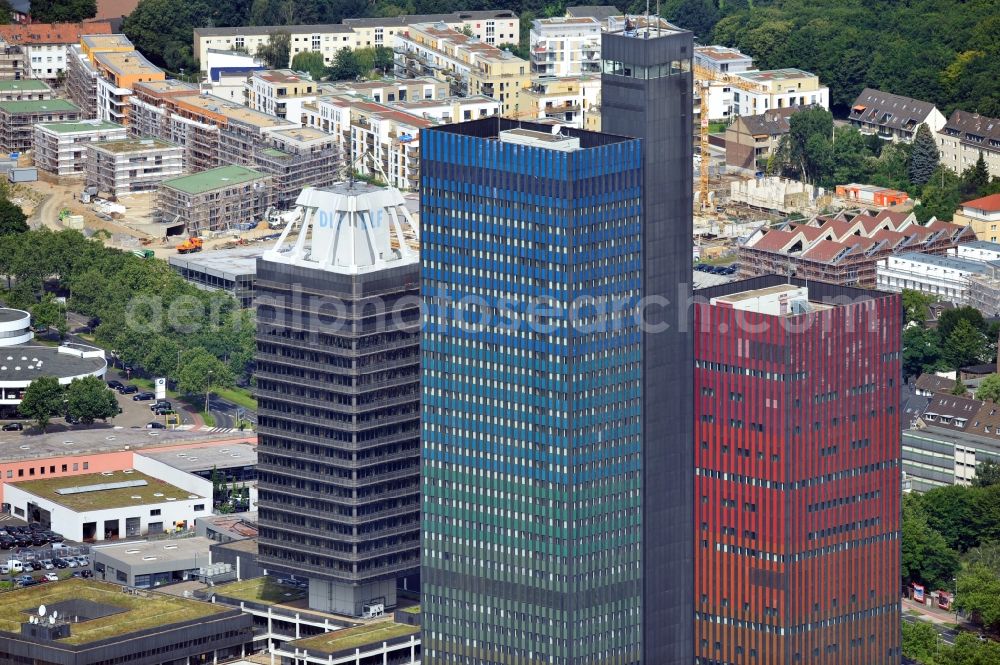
x: 189, y: 246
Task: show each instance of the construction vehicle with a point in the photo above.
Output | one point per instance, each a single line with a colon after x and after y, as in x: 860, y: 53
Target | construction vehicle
x: 190, y: 246
x: 143, y: 253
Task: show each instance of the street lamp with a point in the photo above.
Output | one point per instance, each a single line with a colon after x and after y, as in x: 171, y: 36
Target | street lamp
x: 208, y: 387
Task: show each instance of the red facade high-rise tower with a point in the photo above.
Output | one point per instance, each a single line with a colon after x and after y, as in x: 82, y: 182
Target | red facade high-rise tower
x: 797, y: 488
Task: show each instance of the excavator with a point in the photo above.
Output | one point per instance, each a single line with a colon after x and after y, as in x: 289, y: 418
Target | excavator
x: 189, y: 246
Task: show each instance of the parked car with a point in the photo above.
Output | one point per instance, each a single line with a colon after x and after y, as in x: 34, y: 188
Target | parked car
x: 71, y: 562
x: 142, y: 397
x: 159, y: 404
x: 86, y: 573
x: 155, y: 425
x: 163, y: 410
x: 116, y: 385
x: 47, y: 564
x: 128, y: 390
x: 51, y: 577
x: 57, y: 562
x: 13, y: 427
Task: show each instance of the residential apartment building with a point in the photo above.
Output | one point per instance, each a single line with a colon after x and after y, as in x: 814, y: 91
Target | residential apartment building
x: 280, y: 92
x: 338, y: 392
x: 18, y: 120
x: 212, y: 131
x: 13, y: 62
x: 844, y: 248
x: 953, y: 436
x: 46, y: 46
x: 645, y: 93
x: 524, y: 585
x: 777, y: 89
x: 893, y: 117
x: 61, y: 147
x: 565, y: 99
x: 101, y: 73
x: 564, y: 46
x: 798, y: 479
x: 752, y: 139
x: 722, y: 59
x: 296, y: 159
x: 489, y: 26
x: 24, y: 90
x: 965, y: 137
x: 469, y: 66
x: 218, y: 199
x: 127, y: 166
x: 946, y: 277
x: 982, y: 215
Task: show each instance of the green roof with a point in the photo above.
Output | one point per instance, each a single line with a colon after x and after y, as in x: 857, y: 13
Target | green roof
x: 40, y: 106
x: 260, y: 590
x: 133, y: 145
x: 24, y: 84
x: 72, y: 127
x: 137, y: 612
x: 206, y: 181
x: 103, y: 499
x: 351, y: 638
x: 274, y: 152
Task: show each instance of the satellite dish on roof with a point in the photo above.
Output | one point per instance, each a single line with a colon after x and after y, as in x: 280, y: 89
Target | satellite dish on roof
x: 55, y: 613
x: 41, y: 610
x: 52, y: 620
x: 556, y: 129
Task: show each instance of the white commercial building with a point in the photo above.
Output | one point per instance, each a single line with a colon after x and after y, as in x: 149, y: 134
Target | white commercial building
x: 565, y: 46
x: 61, y: 147
x: 946, y: 277
x: 114, y: 504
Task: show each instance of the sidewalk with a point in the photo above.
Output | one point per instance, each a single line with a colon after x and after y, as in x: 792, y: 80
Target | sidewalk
x: 932, y: 614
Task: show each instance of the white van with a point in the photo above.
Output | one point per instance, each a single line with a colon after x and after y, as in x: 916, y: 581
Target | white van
x: 12, y: 566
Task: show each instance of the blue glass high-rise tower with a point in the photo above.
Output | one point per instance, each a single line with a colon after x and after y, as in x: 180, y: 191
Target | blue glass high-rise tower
x: 531, y: 395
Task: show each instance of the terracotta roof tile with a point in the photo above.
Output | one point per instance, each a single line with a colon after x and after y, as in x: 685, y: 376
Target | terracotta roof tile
x: 989, y: 203
x: 51, y: 33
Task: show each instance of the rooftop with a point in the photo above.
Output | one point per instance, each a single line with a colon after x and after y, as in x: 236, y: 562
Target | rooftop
x: 51, y: 33
x: 40, y: 106
x: 207, y: 457
x: 133, y: 145
x: 260, y: 590
x: 351, y: 638
x: 100, y: 42
x: 600, y: 12
x: 217, y: 178
x: 131, y: 63
x: 302, y: 134
x: 25, y: 363
x: 146, y: 551
x: 776, y: 74
x: 80, y: 127
x: 136, y: 613
x: 989, y: 203
x: 111, y: 439
x: 721, y: 53
x: 232, y: 111
x: 953, y: 262
x: 102, y: 491
x: 32, y: 85
x: 229, y: 263
x: 889, y: 110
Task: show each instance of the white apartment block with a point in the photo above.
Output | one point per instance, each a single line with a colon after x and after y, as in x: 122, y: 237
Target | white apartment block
x: 132, y: 165
x: 722, y: 59
x: 492, y: 27
x: 565, y: 46
x: 61, y: 147
x: 946, y: 277
x: 565, y: 100
x: 450, y: 109
x: 46, y: 45
x: 775, y: 89
x: 280, y: 92
x: 965, y: 137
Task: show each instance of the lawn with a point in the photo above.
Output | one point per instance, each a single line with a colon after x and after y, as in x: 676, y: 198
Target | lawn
x: 412, y: 609
x: 350, y: 638
x: 208, y: 418
x: 105, y: 498
x: 260, y: 590
x: 138, y: 613
x: 239, y: 396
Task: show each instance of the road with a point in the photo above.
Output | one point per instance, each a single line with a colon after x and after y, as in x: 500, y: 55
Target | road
x: 947, y: 634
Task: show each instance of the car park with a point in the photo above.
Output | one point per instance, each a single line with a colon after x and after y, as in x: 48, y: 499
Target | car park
x: 13, y: 427
x: 47, y: 564
x: 160, y: 404
x: 57, y: 562
x: 163, y: 411
x: 143, y: 396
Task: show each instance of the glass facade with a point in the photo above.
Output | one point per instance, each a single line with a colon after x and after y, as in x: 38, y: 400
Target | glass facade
x: 531, y: 401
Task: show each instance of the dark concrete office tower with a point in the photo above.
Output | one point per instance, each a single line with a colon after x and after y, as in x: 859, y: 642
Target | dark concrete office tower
x: 531, y: 402
x: 338, y: 389
x: 646, y: 89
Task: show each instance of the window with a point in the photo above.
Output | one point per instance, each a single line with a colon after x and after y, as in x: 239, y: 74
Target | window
x: 64, y: 468
x: 154, y: 512
x: 76, y: 466
x: 86, y: 465
x: 199, y: 507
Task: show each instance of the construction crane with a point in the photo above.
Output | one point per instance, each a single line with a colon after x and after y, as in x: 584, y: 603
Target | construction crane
x: 705, y: 77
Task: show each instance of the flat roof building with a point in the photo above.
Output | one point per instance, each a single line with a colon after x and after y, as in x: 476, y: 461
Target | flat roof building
x: 24, y: 90
x: 153, y: 563
x: 18, y: 120
x: 231, y: 270
x: 86, y: 622
x: 296, y: 159
x: 126, y: 166
x: 61, y: 148
x: 216, y: 200
x: 109, y: 505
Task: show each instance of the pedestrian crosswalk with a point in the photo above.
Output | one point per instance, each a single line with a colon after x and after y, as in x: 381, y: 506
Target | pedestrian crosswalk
x: 184, y: 427
x: 6, y: 517
x: 224, y: 429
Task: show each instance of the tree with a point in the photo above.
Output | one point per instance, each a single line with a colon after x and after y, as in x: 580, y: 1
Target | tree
x: 923, y: 156
x: 915, y: 305
x: 920, y: 641
x: 940, y: 197
x: 12, y: 218
x: 964, y: 346
x: 950, y: 318
x: 988, y: 471
x: 48, y: 312
x: 989, y: 388
x: 199, y: 371
x: 979, y: 594
x: 975, y: 179
x: 959, y: 388
x: 806, y: 150
x: 62, y: 11
x: 955, y: 512
x: 926, y: 556
x: 276, y: 50
x: 921, y: 351
x: 383, y: 60
x: 310, y: 62
x: 345, y: 66
x: 89, y: 399
x: 43, y: 399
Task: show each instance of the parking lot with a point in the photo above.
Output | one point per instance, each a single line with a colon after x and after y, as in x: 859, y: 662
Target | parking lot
x: 19, y: 559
